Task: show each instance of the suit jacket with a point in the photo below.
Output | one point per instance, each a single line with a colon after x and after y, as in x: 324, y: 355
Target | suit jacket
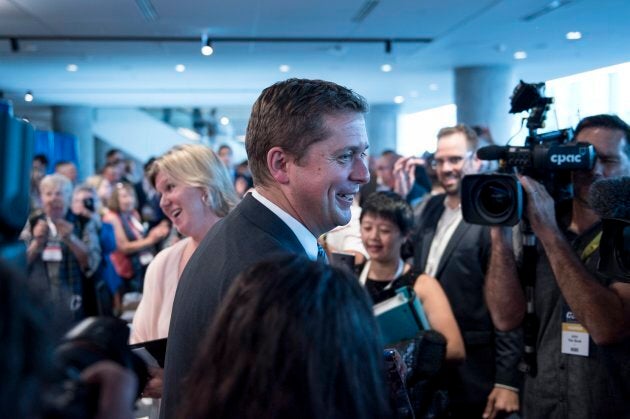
x: 491, y: 357
x: 250, y: 233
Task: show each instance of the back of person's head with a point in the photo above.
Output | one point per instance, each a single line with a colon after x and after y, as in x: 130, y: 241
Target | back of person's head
x: 390, y: 206
x: 25, y: 349
x: 293, y: 338
x: 198, y: 166
x: 290, y: 114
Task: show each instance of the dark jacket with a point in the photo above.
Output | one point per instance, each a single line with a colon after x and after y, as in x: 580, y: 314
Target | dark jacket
x: 249, y: 234
x: 491, y: 357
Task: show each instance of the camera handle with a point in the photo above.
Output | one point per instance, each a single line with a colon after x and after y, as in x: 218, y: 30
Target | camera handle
x: 527, y: 274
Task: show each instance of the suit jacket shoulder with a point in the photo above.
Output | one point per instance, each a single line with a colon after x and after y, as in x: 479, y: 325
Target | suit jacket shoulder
x: 250, y: 233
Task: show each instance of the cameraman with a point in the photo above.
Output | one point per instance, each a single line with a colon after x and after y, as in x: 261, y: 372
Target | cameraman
x: 582, y: 372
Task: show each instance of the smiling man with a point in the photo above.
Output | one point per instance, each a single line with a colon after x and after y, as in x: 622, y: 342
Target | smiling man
x: 306, y: 143
x: 457, y: 254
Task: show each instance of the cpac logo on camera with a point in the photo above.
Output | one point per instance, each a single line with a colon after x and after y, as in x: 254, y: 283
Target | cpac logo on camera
x: 560, y: 159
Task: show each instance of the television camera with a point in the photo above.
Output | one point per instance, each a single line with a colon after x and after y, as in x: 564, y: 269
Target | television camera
x: 498, y: 198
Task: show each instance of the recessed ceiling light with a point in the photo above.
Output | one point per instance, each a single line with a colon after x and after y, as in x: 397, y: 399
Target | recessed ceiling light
x: 73, y: 68
x: 399, y: 99
x: 180, y: 68
x: 28, y: 96
x: 386, y: 68
x: 520, y: 55
x: 207, y: 50
x: 284, y: 68
x: 433, y: 87
x: 574, y: 36
x: 224, y: 120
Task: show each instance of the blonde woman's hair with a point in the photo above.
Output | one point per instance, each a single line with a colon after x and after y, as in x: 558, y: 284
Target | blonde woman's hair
x: 198, y: 166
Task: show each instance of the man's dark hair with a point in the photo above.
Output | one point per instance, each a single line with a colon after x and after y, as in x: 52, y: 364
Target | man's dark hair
x: 41, y: 158
x: 111, y: 152
x: 224, y: 146
x: 294, y: 338
x: 290, y: 114
x: 472, y: 140
x: 390, y: 206
x: 612, y: 122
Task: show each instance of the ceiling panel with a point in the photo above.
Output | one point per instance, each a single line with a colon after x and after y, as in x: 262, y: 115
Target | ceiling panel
x: 466, y: 33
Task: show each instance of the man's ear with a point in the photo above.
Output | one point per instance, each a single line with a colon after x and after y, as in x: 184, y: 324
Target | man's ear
x: 277, y: 161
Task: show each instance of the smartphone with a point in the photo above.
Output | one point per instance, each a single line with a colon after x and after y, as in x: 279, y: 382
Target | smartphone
x: 341, y: 260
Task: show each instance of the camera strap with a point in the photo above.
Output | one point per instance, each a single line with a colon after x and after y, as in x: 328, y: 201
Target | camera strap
x: 591, y: 247
x: 527, y: 273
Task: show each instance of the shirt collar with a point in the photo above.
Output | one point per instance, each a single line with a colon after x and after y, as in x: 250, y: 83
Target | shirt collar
x: 305, y: 237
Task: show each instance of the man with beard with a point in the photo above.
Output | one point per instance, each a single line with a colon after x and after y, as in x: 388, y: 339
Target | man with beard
x: 583, y: 341
x: 457, y: 254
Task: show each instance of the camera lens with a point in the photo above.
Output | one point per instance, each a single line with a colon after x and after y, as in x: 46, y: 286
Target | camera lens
x: 495, y: 199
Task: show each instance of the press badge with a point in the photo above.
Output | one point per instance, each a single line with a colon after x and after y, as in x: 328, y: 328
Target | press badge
x: 52, y: 252
x: 575, y: 338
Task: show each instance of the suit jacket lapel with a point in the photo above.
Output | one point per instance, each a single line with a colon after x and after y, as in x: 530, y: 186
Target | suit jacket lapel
x: 430, y: 217
x: 427, y: 239
x: 457, y: 237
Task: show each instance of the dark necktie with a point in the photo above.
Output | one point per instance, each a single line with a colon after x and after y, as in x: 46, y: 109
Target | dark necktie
x: 321, y: 254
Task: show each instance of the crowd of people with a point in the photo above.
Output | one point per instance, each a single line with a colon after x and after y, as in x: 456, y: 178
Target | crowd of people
x: 232, y: 266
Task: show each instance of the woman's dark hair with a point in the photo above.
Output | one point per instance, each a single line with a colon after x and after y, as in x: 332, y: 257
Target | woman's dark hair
x: 293, y: 338
x: 390, y: 206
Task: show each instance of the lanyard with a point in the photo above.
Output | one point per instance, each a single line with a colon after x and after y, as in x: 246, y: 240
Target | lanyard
x: 366, y: 270
x: 591, y: 247
x: 52, y: 227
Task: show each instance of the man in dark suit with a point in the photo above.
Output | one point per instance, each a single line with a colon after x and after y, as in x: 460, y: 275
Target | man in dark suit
x: 457, y: 254
x: 306, y: 143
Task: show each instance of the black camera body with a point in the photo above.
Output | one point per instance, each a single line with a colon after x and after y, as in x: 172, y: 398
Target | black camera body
x: 498, y: 198
x: 92, y: 340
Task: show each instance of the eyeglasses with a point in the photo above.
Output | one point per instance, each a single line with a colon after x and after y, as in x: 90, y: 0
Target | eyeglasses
x: 453, y: 161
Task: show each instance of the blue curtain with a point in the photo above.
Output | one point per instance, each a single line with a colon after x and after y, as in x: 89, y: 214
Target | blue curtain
x: 57, y: 146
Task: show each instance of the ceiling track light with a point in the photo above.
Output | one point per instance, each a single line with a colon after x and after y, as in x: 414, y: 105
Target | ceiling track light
x: 223, y: 39
x: 388, y: 46
x: 206, y: 45
x: 15, y: 45
x: 28, y: 96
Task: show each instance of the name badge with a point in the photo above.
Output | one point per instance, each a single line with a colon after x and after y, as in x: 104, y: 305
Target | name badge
x: 575, y: 338
x: 52, y: 253
x: 145, y: 258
